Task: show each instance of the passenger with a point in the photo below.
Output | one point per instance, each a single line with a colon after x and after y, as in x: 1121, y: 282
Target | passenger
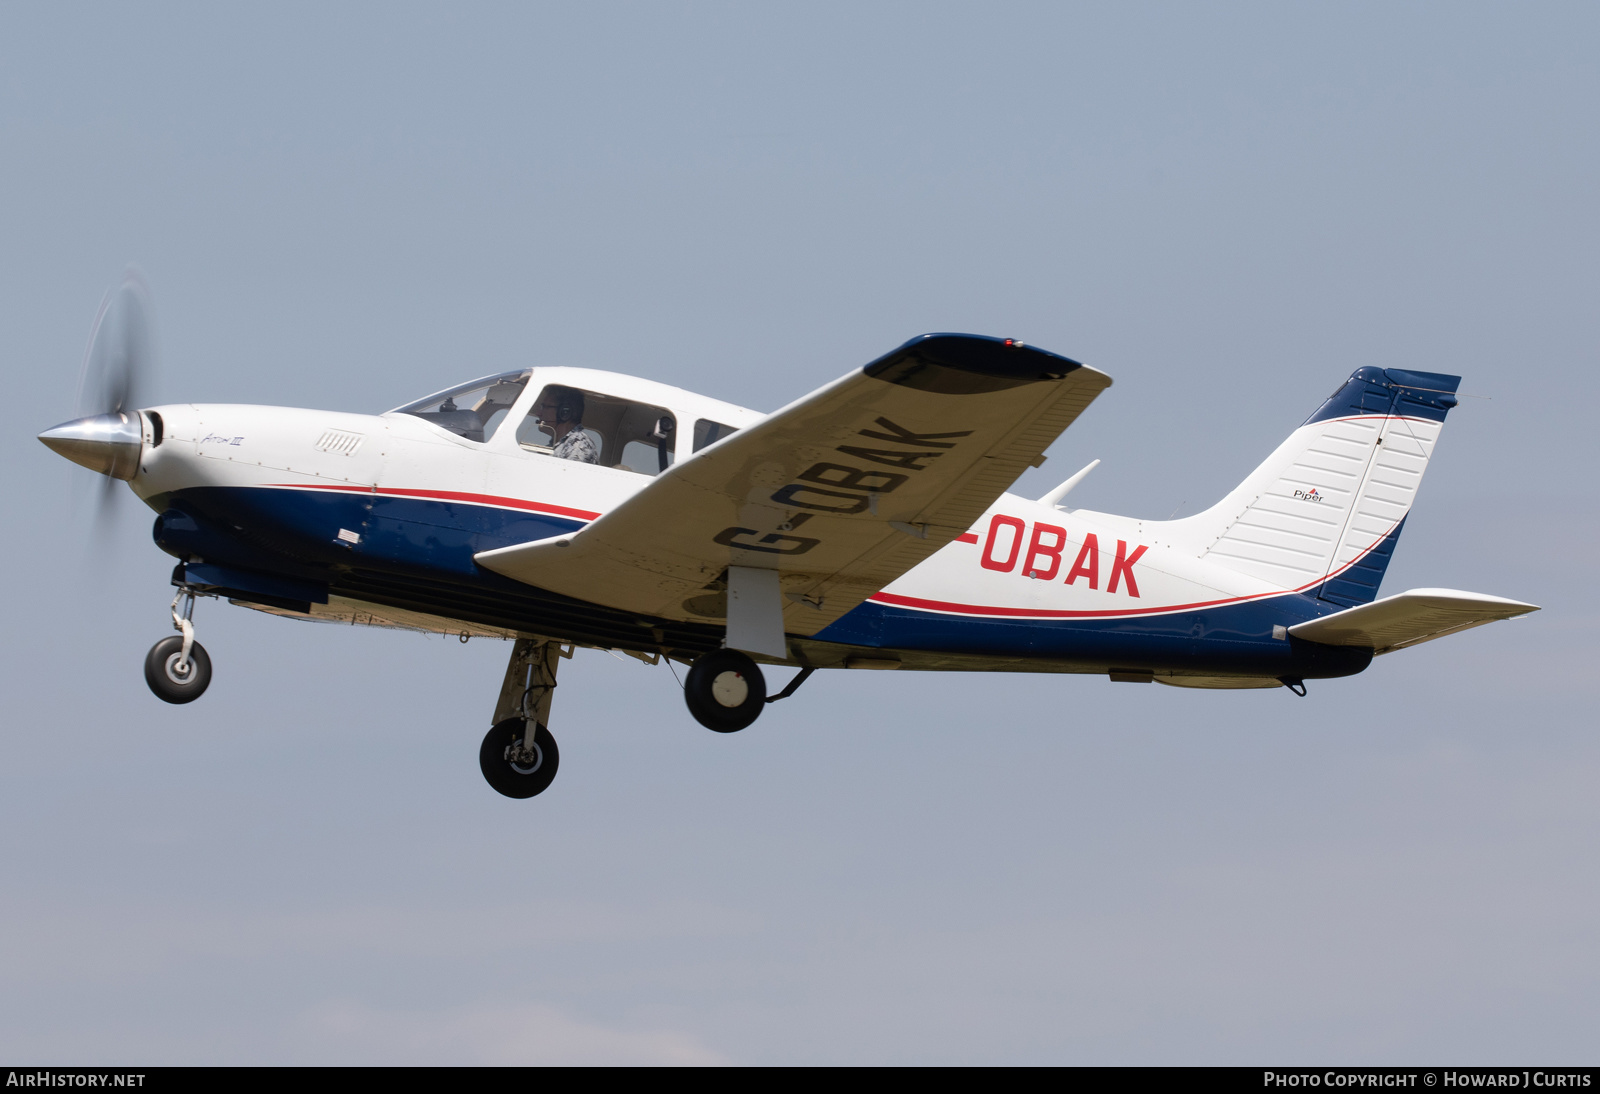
x: 560, y: 411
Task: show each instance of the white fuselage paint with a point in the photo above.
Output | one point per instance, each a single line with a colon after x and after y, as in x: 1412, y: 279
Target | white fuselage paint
x: 239, y: 446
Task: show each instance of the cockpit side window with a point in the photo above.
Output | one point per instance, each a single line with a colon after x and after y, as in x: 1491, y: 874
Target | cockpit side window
x: 474, y: 410
x: 708, y: 432
x: 592, y: 427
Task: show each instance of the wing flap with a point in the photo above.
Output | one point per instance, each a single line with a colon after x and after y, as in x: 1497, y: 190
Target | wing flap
x: 840, y: 492
x: 1409, y: 618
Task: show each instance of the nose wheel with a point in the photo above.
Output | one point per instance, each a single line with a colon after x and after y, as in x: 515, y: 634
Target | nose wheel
x: 519, y: 756
x: 177, y: 668
x: 174, y: 677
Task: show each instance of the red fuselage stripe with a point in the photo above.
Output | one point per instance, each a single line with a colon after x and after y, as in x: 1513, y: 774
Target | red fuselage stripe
x: 1057, y: 613
x: 448, y: 495
x: 949, y: 607
x: 1053, y: 613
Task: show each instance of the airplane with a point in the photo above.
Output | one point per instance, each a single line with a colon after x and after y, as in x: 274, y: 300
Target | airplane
x: 864, y: 526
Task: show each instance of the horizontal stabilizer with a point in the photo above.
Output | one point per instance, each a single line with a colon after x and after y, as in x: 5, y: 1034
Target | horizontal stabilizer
x: 1409, y: 618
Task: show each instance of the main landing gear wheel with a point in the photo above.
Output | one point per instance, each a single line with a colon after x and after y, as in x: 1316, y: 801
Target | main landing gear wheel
x: 725, y: 690
x: 513, y: 768
x: 171, y: 677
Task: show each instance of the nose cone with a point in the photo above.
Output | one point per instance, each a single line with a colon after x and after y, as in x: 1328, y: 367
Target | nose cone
x: 107, y: 443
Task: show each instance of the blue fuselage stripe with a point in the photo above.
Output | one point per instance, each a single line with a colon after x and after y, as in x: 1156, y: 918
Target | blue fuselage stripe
x: 437, y: 539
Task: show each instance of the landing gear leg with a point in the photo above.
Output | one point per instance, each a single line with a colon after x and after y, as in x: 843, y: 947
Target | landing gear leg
x: 177, y: 668
x: 519, y: 756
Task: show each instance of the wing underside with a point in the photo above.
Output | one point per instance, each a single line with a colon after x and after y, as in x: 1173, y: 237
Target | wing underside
x: 832, y: 497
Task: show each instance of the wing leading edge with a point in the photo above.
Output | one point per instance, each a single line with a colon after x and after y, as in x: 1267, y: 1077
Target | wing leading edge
x: 838, y: 493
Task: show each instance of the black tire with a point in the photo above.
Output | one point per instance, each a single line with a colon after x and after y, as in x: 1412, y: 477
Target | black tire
x: 714, y: 697
x: 514, y: 780
x: 170, y: 685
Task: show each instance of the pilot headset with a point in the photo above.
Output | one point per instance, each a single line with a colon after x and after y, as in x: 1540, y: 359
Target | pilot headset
x: 569, y: 406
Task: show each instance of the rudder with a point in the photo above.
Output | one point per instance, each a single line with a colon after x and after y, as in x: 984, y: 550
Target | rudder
x: 1323, y: 513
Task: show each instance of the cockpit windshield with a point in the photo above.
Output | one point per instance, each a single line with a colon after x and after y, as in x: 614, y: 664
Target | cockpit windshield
x: 472, y: 410
x: 570, y: 423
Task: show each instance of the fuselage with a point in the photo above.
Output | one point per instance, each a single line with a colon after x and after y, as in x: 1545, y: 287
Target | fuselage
x: 376, y: 518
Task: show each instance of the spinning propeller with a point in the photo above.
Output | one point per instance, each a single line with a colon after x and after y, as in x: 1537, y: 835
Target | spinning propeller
x: 117, y: 366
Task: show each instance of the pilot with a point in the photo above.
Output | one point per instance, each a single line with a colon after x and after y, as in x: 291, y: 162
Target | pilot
x: 560, y: 411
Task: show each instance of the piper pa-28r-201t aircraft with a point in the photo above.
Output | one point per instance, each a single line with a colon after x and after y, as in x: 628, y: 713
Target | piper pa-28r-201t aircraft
x: 863, y: 526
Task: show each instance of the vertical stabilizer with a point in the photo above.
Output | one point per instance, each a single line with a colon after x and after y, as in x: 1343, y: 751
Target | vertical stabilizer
x: 1322, y: 514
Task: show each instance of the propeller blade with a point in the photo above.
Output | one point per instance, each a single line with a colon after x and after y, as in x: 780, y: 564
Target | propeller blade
x: 118, y: 364
x: 120, y: 358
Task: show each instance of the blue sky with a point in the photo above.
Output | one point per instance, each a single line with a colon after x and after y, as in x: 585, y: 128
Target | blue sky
x: 1227, y: 208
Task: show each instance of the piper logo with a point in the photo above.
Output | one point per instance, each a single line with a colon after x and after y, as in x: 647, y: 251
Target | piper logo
x: 1307, y: 495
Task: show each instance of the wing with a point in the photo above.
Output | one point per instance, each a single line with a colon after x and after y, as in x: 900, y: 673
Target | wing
x: 1409, y: 618
x: 833, y: 497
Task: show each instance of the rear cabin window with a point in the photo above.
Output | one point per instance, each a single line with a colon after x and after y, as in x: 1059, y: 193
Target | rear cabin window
x: 591, y: 427
x: 707, y: 432
x: 472, y: 410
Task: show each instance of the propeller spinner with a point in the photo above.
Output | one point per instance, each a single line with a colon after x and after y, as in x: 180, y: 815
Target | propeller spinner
x: 107, y: 435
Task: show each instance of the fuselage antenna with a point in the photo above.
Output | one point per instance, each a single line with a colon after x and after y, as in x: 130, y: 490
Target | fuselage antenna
x: 1054, y: 497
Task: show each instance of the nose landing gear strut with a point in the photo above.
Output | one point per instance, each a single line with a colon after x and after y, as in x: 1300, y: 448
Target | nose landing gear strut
x: 177, y: 668
x: 519, y: 756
